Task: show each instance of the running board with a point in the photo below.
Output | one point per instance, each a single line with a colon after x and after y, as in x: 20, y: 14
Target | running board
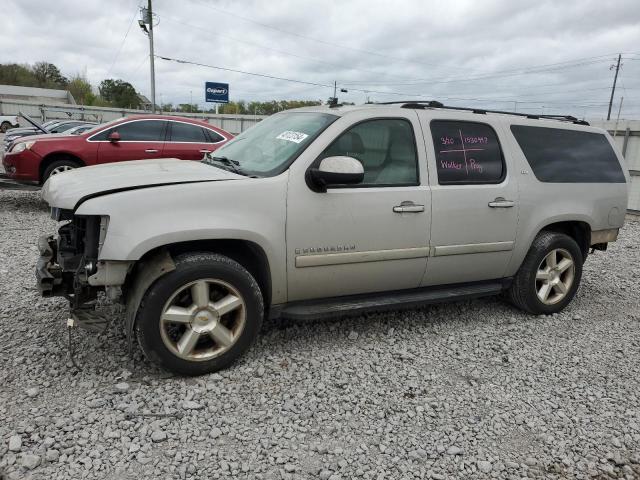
x: 357, y: 304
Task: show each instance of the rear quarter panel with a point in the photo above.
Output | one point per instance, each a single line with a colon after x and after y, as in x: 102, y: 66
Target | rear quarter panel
x: 600, y: 205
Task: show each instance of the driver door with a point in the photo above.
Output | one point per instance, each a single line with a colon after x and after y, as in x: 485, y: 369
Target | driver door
x: 139, y: 140
x: 361, y: 238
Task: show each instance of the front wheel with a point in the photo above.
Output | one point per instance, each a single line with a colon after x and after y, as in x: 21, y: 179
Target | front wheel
x: 5, y: 126
x: 549, y: 276
x: 200, y: 317
x: 57, y: 167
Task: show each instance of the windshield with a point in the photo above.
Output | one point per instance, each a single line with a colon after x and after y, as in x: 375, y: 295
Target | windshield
x: 268, y: 148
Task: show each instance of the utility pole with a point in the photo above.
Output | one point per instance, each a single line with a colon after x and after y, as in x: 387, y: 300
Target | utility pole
x: 613, y: 89
x: 335, y: 87
x: 147, y: 19
x: 151, y: 58
x: 615, y: 130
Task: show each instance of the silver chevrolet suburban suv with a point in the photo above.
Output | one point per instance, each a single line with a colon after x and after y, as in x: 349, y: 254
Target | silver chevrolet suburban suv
x: 334, y: 210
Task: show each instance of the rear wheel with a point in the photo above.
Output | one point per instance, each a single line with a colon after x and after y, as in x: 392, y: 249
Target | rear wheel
x: 59, y: 166
x: 202, y: 316
x: 4, y: 127
x: 549, y: 276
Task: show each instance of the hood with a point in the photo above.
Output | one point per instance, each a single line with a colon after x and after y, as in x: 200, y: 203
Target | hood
x: 12, y: 131
x: 66, y: 189
x: 33, y: 135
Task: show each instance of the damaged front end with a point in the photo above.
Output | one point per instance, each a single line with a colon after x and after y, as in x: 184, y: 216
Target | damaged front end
x: 68, y: 265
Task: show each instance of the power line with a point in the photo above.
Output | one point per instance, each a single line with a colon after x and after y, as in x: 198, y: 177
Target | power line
x: 124, y: 39
x: 281, y: 52
x: 263, y: 75
x: 532, y: 70
x: 404, y: 94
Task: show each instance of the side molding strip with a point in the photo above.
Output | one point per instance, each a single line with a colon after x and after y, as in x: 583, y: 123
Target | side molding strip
x: 360, y: 257
x: 471, y: 248
x: 399, y: 254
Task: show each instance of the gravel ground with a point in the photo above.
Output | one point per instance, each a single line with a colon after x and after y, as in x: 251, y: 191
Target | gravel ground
x: 466, y: 390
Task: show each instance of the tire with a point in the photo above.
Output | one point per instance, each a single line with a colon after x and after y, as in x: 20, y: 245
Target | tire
x: 172, y: 312
x: 5, y: 126
x: 536, y: 277
x: 59, y: 166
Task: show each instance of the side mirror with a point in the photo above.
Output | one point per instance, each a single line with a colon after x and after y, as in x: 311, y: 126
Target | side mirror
x: 114, y: 137
x: 335, y: 171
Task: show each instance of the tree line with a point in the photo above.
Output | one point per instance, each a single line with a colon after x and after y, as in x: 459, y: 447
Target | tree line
x: 118, y: 93
x: 242, y: 107
x: 110, y: 93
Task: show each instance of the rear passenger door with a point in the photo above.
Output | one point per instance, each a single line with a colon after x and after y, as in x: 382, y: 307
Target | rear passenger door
x: 475, y: 201
x: 188, y: 141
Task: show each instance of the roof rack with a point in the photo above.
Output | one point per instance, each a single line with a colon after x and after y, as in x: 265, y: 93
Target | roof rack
x: 435, y: 104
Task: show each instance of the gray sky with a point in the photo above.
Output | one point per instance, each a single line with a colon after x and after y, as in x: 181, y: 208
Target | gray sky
x: 541, y: 54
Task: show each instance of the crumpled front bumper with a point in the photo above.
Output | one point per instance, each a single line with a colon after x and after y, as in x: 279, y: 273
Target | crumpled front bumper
x: 48, y: 272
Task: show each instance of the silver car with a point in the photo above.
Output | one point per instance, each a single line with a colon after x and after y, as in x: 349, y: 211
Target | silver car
x: 336, y: 210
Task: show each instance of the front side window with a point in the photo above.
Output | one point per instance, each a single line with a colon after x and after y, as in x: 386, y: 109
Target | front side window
x: 560, y: 155
x: 466, y: 152
x: 140, y: 131
x: 385, y: 147
x: 184, y: 132
x: 268, y: 148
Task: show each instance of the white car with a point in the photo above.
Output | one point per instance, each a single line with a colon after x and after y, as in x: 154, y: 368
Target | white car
x: 7, y: 122
x: 331, y: 210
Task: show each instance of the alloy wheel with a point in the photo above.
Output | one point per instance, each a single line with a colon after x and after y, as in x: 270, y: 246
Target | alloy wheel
x: 202, y: 319
x: 555, y: 276
x: 60, y: 169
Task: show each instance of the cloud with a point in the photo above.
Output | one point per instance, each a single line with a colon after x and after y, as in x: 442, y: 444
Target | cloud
x: 465, y: 52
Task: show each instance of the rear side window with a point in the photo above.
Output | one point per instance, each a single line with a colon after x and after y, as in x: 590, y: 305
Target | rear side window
x: 213, y: 137
x: 558, y: 155
x: 466, y: 152
x: 184, y: 132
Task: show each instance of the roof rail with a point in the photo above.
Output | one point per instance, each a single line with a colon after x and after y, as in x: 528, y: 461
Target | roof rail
x: 435, y: 104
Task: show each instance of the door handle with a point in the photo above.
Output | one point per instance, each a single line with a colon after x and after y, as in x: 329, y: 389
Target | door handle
x: 151, y: 150
x: 205, y: 151
x: 408, y: 207
x: 500, y: 202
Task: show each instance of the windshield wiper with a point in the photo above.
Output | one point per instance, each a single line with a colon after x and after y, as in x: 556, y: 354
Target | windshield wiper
x: 228, y: 164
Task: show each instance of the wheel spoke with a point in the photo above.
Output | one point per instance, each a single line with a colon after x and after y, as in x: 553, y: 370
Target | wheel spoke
x: 544, y: 291
x: 200, y: 294
x: 551, y: 259
x: 176, y: 315
x: 188, y: 341
x: 227, y: 304
x: 560, y: 287
x: 564, y: 264
x: 542, y: 275
x: 222, y: 335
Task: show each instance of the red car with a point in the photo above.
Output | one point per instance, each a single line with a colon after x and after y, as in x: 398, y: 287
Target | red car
x: 36, y: 158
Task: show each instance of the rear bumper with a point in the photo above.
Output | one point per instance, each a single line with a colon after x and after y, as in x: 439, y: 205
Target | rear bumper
x: 604, y: 236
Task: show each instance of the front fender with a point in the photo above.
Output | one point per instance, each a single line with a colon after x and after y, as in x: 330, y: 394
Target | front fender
x: 145, y: 219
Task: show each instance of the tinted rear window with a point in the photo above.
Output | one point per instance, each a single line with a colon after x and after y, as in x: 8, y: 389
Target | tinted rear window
x: 568, y: 156
x: 184, y: 132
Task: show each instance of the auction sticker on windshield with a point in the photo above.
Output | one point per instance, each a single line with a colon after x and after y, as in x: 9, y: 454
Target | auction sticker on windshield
x: 290, y: 136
